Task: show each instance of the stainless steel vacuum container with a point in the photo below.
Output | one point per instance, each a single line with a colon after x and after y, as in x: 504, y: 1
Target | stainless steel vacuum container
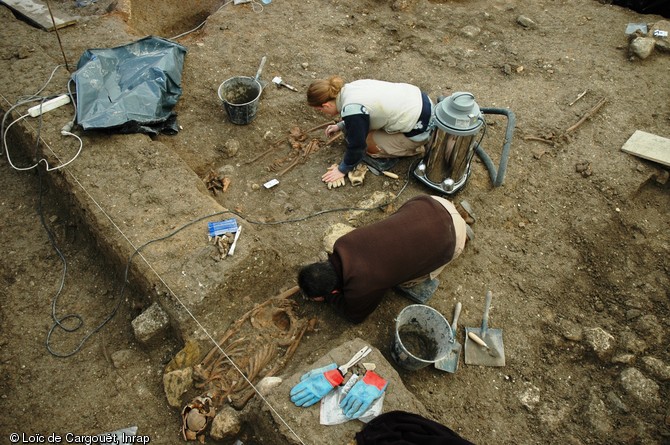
x: 446, y: 164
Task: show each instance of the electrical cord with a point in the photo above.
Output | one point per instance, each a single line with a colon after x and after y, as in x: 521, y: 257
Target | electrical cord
x: 65, y: 131
x: 58, y: 322
x: 24, y: 100
x: 255, y: 6
x: 201, y: 24
x: 270, y: 223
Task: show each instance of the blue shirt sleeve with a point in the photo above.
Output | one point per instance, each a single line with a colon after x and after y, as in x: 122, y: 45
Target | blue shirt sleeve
x: 357, y: 128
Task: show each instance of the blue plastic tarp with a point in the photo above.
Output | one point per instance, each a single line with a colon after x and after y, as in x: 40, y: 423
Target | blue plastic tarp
x: 131, y: 88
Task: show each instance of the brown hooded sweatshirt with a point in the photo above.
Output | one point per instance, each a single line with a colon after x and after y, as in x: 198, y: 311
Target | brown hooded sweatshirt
x: 417, y: 239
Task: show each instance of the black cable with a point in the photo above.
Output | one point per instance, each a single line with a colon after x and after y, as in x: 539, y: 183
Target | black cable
x: 58, y: 322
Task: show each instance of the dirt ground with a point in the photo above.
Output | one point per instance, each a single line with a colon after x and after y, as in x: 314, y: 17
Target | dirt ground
x: 574, y: 245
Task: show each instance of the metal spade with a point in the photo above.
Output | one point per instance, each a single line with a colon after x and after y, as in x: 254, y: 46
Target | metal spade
x: 449, y: 362
x: 484, y: 346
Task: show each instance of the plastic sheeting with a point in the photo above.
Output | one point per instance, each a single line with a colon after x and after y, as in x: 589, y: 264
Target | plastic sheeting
x: 131, y: 88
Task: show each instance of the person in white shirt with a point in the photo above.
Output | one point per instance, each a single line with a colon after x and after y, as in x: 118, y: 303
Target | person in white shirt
x: 382, y: 121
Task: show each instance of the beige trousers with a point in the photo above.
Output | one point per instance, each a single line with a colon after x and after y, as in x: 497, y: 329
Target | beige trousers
x: 395, y: 145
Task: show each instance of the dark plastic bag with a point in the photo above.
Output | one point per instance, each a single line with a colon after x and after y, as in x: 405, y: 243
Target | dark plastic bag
x: 131, y: 88
x: 403, y: 428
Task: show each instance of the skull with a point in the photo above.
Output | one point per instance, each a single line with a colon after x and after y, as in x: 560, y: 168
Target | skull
x: 195, y: 417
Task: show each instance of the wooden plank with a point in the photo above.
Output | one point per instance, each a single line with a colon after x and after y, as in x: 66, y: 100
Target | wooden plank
x: 37, y: 13
x: 648, y: 146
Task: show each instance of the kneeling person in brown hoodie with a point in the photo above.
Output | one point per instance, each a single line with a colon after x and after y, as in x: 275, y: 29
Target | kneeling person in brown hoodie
x: 405, y: 251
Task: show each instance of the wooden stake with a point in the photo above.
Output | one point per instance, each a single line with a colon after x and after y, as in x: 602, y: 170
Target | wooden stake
x: 57, y: 35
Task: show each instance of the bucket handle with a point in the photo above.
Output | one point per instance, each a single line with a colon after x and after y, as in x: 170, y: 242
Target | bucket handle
x: 260, y: 68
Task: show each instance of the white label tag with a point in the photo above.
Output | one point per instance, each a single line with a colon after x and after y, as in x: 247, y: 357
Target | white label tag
x: 271, y: 183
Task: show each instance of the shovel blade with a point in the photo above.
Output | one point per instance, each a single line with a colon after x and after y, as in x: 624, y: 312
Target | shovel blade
x: 479, y: 355
x: 449, y: 362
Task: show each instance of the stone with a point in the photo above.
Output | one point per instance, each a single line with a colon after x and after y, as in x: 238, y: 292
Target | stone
x: 335, y: 232
x: 231, y: 147
x: 632, y: 343
x: 268, y: 422
x: 632, y: 314
x: 624, y: 359
x: 470, y: 31
x: 401, y: 5
x: 122, y: 7
x: 640, y: 388
x: 554, y: 418
x: 600, y: 342
x: 377, y: 199
x: 226, y: 425
x: 188, y: 356
x: 598, y: 416
x: 123, y: 358
x: 616, y: 402
x: 351, y: 49
x: 658, y: 368
x: 23, y: 52
x: 571, y: 331
x: 151, y: 325
x: 661, y: 177
x: 526, y: 22
x: 662, y: 43
x: 175, y: 384
x: 226, y: 170
x: 530, y: 396
x: 641, y: 47
x: 267, y: 384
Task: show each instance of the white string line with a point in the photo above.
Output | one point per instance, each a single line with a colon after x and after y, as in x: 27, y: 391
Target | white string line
x: 167, y: 286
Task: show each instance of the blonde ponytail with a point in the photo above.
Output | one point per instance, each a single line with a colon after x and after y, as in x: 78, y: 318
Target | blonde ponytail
x: 323, y: 90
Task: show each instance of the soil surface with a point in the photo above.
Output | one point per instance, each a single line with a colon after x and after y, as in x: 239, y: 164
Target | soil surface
x: 574, y: 245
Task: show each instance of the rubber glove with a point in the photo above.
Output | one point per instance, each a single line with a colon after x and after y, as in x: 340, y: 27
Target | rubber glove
x: 315, y: 384
x: 363, y: 394
x: 336, y: 183
x: 357, y: 175
x: 316, y: 371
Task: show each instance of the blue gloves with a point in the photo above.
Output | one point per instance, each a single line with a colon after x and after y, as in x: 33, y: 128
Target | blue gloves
x: 363, y: 394
x: 315, y: 384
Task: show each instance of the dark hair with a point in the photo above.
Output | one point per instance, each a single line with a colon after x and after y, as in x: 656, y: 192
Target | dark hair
x: 317, y: 279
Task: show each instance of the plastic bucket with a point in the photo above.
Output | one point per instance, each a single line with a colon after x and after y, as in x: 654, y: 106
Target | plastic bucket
x: 240, y: 97
x: 422, y: 337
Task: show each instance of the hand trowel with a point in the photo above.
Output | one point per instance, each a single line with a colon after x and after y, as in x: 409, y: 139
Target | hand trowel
x: 484, y: 346
x: 449, y: 362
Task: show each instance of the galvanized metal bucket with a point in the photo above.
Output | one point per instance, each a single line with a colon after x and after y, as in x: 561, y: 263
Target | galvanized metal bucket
x: 240, y: 96
x: 422, y: 337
